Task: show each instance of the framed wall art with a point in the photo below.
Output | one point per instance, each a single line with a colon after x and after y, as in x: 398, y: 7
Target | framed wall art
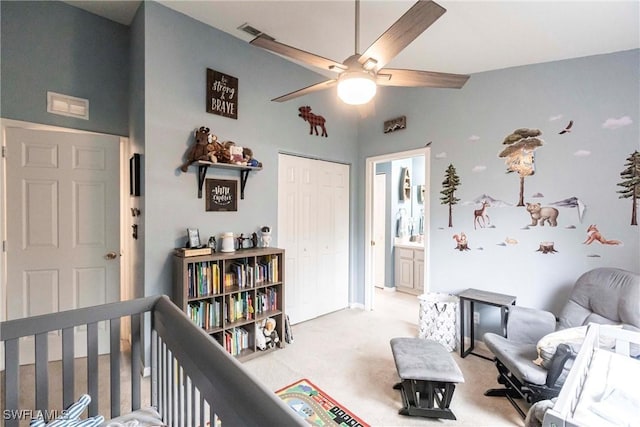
x: 222, y: 94
x: 221, y: 195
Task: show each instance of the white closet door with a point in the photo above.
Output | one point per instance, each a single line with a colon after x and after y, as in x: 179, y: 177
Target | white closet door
x: 333, y: 237
x: 313, y: 228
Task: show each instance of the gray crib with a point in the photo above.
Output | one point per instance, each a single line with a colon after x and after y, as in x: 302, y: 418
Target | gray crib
x: 194, y: 381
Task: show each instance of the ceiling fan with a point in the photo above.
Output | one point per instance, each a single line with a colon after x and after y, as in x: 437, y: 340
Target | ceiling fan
x: 359, y: 74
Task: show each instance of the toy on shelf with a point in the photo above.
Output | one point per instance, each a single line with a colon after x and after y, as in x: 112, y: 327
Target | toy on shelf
x: 266, y: 236
x: 199, y: 150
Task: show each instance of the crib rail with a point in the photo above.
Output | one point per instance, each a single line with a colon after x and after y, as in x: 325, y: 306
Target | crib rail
x: 563, y: 411
x: 194, y: 382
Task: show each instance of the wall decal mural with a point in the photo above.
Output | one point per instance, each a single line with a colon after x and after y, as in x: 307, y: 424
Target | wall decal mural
x: 567, y: 128
x: 480, y: 215
x: 547, y: 248
x: 519, y: 154
x: 613, y: 123
x: 449, y: 187
x: 441, y: 155
x: 631, y: 184
x: 572, y: 202
x: 314, y: 120
x: 594, y: 235
x: 461, y: 241
x: 582, y: 153
x: 542, y: 214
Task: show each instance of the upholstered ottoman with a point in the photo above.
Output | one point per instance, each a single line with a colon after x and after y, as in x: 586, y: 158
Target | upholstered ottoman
x: 428, y: 377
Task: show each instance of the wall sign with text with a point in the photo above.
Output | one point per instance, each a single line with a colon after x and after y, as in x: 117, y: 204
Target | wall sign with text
x: 222, y: 94
x: 222, y: 195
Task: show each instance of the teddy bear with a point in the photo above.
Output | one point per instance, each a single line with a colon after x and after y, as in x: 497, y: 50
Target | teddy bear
x: 199, y: 150
x: 247, y: 153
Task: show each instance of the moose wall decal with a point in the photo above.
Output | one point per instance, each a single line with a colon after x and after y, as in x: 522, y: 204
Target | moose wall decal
x: 313, y: 119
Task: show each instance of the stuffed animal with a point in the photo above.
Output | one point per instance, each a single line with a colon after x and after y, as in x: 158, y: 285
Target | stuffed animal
x: 199, y: 150
x: 216, y: 151
x: 247, y: 153
x: 270, y: 333
x: 266, y: 334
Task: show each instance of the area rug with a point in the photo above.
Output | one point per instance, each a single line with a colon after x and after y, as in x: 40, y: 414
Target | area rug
x: 316, y: 407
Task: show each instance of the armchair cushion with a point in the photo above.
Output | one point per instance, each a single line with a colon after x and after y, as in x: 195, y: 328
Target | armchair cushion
x: 528, y: 325
x: 517, y: 357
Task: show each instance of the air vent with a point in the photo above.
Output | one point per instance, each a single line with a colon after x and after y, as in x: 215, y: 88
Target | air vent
x: 254, y: 31
x: 66, y: 105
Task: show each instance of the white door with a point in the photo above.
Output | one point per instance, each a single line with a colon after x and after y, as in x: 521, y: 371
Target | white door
x: 333, y: 237
x: 63, y: 225
x: 313, y: 228
x: 379, y: 227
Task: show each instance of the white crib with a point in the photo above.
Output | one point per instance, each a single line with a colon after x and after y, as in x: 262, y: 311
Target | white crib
x: 601, y: 388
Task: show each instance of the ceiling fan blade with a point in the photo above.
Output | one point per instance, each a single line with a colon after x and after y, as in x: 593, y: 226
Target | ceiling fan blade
x: 297, y: 54
x: 400, y: 77
x: 309, y: 89
x: 405, y: 30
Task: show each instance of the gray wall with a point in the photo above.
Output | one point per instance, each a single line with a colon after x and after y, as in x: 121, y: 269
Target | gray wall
x: 178, y: 50
x: 51, y: 46
x: 467, y: 128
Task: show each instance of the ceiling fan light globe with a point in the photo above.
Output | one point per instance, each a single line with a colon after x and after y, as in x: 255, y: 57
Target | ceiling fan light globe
x: 356, y: 88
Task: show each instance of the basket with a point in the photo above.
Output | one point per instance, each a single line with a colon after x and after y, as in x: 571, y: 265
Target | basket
x: 438, y: 319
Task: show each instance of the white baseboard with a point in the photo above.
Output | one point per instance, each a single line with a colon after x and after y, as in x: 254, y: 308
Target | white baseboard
x: 356, y: 305
x: 389, y: 289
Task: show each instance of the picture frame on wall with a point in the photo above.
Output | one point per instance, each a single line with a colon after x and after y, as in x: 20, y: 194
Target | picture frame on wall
x: 221, y: 195
x: 193, y: 235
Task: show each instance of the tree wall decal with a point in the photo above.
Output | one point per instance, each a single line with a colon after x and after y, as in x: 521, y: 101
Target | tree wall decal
x: 631, y: 184
x: 519, y: 155
x: 449, y: 187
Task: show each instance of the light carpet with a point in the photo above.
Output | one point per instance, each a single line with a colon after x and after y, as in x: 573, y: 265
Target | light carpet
x: 347, y: 354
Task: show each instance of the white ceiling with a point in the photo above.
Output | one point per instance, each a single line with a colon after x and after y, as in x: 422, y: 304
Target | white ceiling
x: 472, y: 36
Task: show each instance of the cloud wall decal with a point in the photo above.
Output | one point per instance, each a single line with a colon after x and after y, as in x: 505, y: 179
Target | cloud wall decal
x: 613, y: 123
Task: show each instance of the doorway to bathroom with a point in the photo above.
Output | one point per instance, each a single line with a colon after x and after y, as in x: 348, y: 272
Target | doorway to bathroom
x: 397, y: 189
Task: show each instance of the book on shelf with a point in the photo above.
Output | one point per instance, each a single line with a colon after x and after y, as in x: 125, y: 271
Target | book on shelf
x: 187, y: 252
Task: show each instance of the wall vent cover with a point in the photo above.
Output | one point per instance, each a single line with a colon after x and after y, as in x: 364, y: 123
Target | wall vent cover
x: 66, y: 105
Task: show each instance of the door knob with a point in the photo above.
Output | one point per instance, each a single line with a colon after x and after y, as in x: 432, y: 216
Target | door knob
x: 111, y: 255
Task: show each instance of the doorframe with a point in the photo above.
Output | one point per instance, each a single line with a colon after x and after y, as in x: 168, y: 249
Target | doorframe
x: 370, y: 171
x: 125, y: 203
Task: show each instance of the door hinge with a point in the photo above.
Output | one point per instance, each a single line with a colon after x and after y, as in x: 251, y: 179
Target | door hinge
x: 4, y: 151
x: 4, y: 246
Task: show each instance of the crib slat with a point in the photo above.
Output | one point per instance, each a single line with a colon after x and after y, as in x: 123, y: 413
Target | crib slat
x: 68, y: 371
x: 180, y: 400
x: 136, y: 333
x: 172, y: 386
x: 193, y: 405
x: 202, y: 413
x: 92, y: 367
x: 42, y: 371
x: 163, y: 381
x: 154, y: 368
x: 114, y: 359
x: 11, y: 378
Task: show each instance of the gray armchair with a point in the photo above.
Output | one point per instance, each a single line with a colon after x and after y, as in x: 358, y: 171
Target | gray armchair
x: 602, y: 295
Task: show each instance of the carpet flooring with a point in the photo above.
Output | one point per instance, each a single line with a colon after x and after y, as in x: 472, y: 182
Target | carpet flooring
x: 347, y: 354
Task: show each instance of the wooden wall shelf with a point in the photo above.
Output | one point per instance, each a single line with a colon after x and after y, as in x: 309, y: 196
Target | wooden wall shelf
x: 203, y: 166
